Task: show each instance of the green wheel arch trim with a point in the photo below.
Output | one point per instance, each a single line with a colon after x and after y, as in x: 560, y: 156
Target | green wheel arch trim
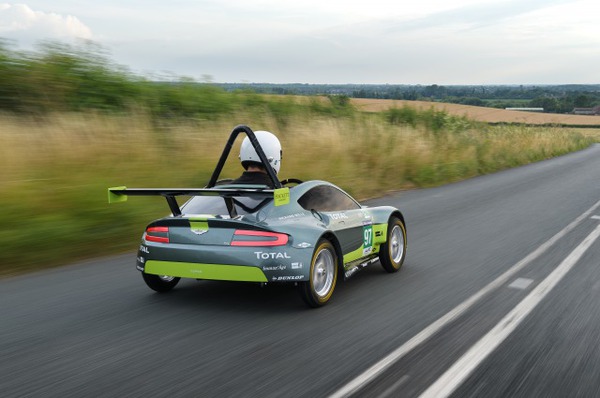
x: 220, y: 272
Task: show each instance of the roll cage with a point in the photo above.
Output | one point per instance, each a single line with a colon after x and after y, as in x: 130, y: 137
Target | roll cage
x: 119, y: 194
x: 259, y: 151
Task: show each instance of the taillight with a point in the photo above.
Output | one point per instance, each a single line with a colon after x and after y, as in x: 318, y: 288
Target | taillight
x: 157, y: 234
x: 242, y: 237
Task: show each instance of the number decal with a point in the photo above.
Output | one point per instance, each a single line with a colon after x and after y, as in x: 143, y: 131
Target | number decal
x: 367, y: 238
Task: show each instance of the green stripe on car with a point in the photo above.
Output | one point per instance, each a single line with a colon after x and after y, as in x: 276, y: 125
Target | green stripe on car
x: 221, y: 272
x: 377, y: 238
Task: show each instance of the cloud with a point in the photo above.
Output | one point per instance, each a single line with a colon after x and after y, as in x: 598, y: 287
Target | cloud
x: 379, y: 41
x: 474, y: 16
x: 26, y: 26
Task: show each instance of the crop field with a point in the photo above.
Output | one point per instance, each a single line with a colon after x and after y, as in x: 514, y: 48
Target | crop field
x: 482, y: 114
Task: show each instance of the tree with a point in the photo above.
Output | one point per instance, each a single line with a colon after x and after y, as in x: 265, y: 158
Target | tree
x: 583, y: 101
x: 550, y: 104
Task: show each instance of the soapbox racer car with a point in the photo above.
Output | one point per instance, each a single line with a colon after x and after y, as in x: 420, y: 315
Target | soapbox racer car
x: 306, y: 233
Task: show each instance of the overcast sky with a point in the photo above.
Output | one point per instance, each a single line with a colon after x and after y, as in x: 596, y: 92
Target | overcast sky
x: 329, y: 41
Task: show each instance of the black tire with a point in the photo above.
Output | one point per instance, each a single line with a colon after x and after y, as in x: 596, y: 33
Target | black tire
x: 393, y: 251
x: 317, y: 291
x: 160, y: 283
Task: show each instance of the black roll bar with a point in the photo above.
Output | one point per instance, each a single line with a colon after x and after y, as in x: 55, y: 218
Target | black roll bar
x: 259, y: 151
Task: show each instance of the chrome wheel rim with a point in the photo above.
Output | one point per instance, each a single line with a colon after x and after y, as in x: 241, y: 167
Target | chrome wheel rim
x: 323, y: 271
x: 166, y: 278
x: 396, y: 244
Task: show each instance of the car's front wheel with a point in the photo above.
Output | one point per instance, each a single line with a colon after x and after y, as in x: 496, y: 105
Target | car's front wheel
x: 317, y: 291
x: 160, y: 283
x: 393, y: 251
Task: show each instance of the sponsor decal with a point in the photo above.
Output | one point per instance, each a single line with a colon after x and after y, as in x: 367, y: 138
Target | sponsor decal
x: 140, y: 263
x: 362, y: 265
x: 303, y: 245
x: 338, y: 216
x: 281, y: 196
x: 291, y: 216
x: 368, y: 262
x: 198, y: 226
x: 144, y: 249
x: 276, y: 268
x: 296, y: 265
x: 267, y: 256
x: 286, y: 278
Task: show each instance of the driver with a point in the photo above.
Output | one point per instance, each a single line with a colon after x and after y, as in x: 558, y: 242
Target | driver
x: 256, y: 173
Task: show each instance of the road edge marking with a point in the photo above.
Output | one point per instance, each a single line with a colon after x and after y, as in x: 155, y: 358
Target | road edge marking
x: 447, y: 383
x: 372, y: 372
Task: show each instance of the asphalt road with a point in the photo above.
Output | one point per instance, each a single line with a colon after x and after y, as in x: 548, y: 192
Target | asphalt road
x: 498, y: 297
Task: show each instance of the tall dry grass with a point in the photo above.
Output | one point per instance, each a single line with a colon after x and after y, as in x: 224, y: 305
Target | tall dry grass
x: 56, y: 169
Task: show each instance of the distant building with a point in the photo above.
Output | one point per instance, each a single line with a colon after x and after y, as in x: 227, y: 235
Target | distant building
x: 586, y: 111
x: 526, y: 109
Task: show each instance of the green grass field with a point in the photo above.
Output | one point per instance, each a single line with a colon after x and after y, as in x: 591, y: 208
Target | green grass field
x: 57, y: 168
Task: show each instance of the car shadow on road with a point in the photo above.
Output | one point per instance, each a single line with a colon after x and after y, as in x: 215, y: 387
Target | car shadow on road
x: 256, y: 297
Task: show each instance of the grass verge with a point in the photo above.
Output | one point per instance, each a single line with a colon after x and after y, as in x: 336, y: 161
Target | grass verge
x: 56, y: 168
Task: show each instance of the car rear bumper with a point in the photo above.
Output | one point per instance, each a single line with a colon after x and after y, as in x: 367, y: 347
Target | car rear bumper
x: 223, y: 272
x: 226, y: 263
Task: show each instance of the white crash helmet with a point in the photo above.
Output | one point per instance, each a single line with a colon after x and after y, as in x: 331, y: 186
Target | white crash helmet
x: 270, y: 146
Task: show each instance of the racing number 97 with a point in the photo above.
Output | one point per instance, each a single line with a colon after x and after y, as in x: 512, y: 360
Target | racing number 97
x: 367, y: 236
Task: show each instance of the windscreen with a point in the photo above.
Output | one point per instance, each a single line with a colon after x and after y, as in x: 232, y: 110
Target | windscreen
x: 216, y: 205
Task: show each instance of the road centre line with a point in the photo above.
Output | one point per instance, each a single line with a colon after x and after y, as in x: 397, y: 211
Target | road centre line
x: 458, y: 373
x: 391, y: 391
x: 521, y: 283
x: 379, y: 367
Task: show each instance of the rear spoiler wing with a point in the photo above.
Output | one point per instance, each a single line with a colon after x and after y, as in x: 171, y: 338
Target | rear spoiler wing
x: 120, y: 194
x: 280, y: 194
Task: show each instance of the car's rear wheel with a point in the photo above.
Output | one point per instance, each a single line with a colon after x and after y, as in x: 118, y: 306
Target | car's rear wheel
x: 160, y: 283
x: 393, y: 251
x: 323, y: 275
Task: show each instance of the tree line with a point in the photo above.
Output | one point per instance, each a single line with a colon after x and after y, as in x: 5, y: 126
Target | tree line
x: 553, y: 98
x: 58, y: 77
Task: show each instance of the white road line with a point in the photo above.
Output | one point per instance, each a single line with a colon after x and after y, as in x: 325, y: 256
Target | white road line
x: 521, y: 283
x: 457, y: 374
x: 376, y: 369
x: 392, y: 390
x: 595, y: 217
